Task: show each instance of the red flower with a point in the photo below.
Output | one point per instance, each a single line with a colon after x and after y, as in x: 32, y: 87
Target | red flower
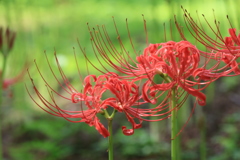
x: 180, y: 61
x: 221, y: 50
x: 89, y: 101
x: 126, y: 96
x: 176, y: 63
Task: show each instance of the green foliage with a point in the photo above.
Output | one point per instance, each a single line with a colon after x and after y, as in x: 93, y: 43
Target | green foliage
x: 138, y: 146
x: 228, y: 141
x: 46, y: 137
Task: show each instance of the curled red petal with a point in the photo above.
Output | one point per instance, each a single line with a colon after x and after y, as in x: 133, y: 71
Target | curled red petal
x: 100, y: 128
x: 162, y: 87
x: 196, y: 93
x: 232, y: 32
x: 229, y: 60
x: 127, y: 132
x: 203, y: 74
x: 76, y: 97
x: 145, y: 91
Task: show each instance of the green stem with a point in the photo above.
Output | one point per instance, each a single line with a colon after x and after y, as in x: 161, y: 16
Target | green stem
x: 1, y: 102
x: 110, y: 137
x: 202, y: 126
x: 174, y: 142
x: 110, y: 140
x: 175, y: 148
x: 4, y: 65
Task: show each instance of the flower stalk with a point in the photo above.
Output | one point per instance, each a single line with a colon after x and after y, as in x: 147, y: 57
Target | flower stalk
x: 110, y: 140
x: 1, y: 102
x: 174, y: 142
x: 202, y: 127
x: 174, y: 123
x: 110, y: 137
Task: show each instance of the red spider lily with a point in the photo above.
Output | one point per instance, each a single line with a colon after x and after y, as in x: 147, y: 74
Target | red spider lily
x: 125, y: 98
x: 176, y: 63
x: 183, y: 58
x: 140, y: 66
x: 129, y: 100
x: 179, y: 65
x: 145, y: 67
x: 125, y: 95
x: 89, y: 101
x: 221, y: 49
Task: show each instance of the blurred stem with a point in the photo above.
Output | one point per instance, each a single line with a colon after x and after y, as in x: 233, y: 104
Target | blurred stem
x: 3, y: 69
x: 174, y: 142
x: 202, y: 127
x: 201, y: 120
x: 1, y: 101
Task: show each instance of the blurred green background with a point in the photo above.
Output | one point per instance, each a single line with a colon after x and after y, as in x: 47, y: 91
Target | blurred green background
x: 47, y: 25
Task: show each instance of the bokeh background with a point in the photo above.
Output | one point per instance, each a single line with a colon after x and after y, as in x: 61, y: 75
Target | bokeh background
x: 29, y: 133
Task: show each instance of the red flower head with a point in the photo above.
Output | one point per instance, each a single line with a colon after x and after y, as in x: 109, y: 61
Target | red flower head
x: 179, y: 61
x: 126, y: 96
x: 223, y: 51
x: 89, y: 101
x: 176, y: 63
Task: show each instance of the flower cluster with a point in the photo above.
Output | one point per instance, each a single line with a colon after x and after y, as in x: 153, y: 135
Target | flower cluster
x: 178, y: 66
